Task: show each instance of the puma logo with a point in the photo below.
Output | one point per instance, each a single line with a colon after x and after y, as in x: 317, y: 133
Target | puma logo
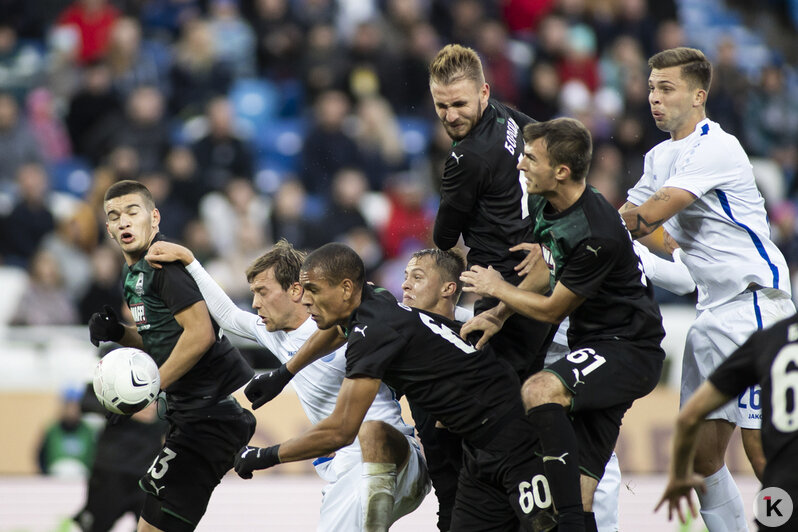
x: 361, y: 330
x: 560, y: 458
x: 156, y: 488
x: 457, y: 157
x: 576, y: 378
x: 592, y: 250
x: 247, y: 451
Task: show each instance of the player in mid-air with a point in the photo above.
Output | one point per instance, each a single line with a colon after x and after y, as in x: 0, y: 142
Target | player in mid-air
x: 282, y: 325
x: 595, y: 277
x: 199, y: 368
x: 420, y: 355
x: 769, y: 358
x: 700, y: 186
x: 483, y: 196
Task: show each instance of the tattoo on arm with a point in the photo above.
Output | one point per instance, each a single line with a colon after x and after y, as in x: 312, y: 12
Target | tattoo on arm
x: 661, y: 196
x: 643, y: 227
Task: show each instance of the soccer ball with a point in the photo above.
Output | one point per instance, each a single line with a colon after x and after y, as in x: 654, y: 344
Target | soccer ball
x: 126, y: 380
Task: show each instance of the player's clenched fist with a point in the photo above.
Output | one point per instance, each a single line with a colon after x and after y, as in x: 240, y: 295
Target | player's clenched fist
x: 105, y: 327
x: 249, y: 458
x: 266, y: 386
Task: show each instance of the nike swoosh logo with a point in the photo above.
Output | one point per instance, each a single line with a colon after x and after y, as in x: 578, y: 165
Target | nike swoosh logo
x: 137, y: 383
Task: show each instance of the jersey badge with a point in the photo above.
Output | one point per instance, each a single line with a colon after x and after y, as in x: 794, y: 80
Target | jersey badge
x: 548, y: 257
x: 139, y: 288
x: 457, y: 157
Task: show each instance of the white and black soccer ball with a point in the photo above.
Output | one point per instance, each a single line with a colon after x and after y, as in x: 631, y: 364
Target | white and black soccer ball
x: 126, y: 380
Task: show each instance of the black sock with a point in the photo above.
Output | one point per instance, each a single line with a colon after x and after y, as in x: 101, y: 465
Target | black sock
x: 590, y: 522
x: 560, y: 463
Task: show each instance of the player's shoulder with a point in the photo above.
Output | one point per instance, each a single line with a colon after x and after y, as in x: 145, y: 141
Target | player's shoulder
x: 711, y: 144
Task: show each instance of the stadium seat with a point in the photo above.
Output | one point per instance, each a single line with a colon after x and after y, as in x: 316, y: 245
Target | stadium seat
x: 255, y: 102
x: 72, y: 176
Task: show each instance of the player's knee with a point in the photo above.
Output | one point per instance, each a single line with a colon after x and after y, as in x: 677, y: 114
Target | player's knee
x: 544, y: 387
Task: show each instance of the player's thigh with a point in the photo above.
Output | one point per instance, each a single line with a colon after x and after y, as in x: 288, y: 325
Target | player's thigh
x: 412, y: 482
x: 341, y: 509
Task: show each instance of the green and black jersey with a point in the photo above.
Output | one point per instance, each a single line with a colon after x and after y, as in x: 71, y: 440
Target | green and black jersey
x: 154, y: 297
x: 588, y: 249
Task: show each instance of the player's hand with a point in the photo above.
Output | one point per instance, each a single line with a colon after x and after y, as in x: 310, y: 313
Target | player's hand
x: 168, y: 252
x: 482, y: 281
x: 249, y: 458
x: 105, y: 327
x: 266, y: 386
x: 487, y: 322
x: 678, y: 489
x: 534, y: 254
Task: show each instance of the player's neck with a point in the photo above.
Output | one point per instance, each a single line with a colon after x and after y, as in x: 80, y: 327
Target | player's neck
x: 444, y: 308
x: 566, y: 195
x: 299, y: 317
x: 689, y: 126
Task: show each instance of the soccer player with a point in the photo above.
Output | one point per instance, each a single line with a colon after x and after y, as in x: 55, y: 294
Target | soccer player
x: 420, y: 355
x: 282, y: 325
x: 769, y: 358
x: 199, y: 368
x: 595, y: 277
x: 483, y: 197
x: 700, y: 186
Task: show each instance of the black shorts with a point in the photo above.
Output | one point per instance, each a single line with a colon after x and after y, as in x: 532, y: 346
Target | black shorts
x: 199, y: 449
x: 111, y: 495
x: 502, y: 484
x: 522, y: 342
x: 605, y: 378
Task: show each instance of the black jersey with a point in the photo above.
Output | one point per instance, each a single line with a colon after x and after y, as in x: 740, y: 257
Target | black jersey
x: 154, y: 297
x: 481, y: 180
x: 588, y: 249
x: 421, y: 355
x: 770, y: 358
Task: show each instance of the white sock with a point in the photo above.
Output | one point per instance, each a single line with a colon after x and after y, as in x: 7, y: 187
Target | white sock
x: 605, y: 500
x: 377, y: 495
x: 722, y: 505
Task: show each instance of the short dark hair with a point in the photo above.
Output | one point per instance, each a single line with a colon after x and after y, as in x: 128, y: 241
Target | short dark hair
x: 567, y: 141
x: 284, y: 259
x: 127, y: 186
x: 455, y: 62
x: 696, y: 68
x: 336, y: 262
x: 450, y: 263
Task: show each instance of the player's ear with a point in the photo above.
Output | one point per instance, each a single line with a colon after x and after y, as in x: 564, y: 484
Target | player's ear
x: 156, y: 218
x: 449, y: 289
x: 700, y: 98
x: 295, y: 292
x: 108, y: 230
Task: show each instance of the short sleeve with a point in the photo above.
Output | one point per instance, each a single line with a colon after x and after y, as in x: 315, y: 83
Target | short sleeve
x: 176, y: 287
x: 463, y: 178
x: 644, y: 188
x: 739, y: 371
x: 702, y: 169
x: 590, y: 263
x: 370, y: 350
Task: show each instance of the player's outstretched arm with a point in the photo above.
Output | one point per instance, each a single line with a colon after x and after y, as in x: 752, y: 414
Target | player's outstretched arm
x: 672, y: 276
x: 655, y: 211
x: 162, y: 251
x: 197, y: 337
x: 682, y: 480
x: 325, y: 437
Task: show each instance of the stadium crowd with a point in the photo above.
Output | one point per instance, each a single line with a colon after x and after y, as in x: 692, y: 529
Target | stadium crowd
x: 252, y: 120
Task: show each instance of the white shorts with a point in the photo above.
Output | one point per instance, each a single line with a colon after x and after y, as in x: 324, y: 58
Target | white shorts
x: 716, y: 334
x: 341, y: 510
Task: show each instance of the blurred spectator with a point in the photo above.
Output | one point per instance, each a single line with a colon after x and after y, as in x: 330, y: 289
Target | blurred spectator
x: 422, y: 46
x: 466, y: 17
x: 46, y: 126
x: 30, y: 220
x: 94, y: 101
x: 106, y: 285
x: 133, y: 63
x: 280, y: 39
x: 343, y: 213
x: 523, y: 16
x: 400, y: 17
x: 500, y: 71
x: 372, y: 66
x: 92, y: 20
x: 197, y: 238
x: 324, y: 62
x: 540, y: 101
x: 621, y: 59
x: 314, y: 12
x: 71, y: 243
x: 579, y: 61
x: 552, y: 39
x: 67, y: 447
x: 670, y: 34
x: 409, y: 224
x: 143, y: 128
x: 234, y: 38
x: 197, y: 74
x: 606, y: 174
x: 175, y: 214
x: 327, y: 147
x: 123, y: 163
x: 248, y: 244
x: 181, y: 167
x: 771, y: 121
x: 17, y: 144
x: 221, y: 155
x: 162, y: 19
x: 729, y: 90
x: 226, y: 210
x: 633, y: 19
x: 288, y: 216
x: 26, y: 16
x: 21, y: 64
x: 46, y: 300
x: 379, y: 141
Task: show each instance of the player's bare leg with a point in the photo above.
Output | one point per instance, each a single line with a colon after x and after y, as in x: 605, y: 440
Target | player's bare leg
x: 144, y: 526
x: 546, y: 401
x: 721, y: 504
x: 385, y: 452
x: 752, y: 443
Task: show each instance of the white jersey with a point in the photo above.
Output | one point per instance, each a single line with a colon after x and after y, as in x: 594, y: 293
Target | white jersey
x: 724, y: 234
x: 318, y: 384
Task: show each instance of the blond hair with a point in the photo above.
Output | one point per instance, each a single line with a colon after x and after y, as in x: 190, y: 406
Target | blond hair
x: 454, y: 63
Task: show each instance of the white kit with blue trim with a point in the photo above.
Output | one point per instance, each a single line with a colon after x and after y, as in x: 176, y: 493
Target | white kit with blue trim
x: 725, y: 233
